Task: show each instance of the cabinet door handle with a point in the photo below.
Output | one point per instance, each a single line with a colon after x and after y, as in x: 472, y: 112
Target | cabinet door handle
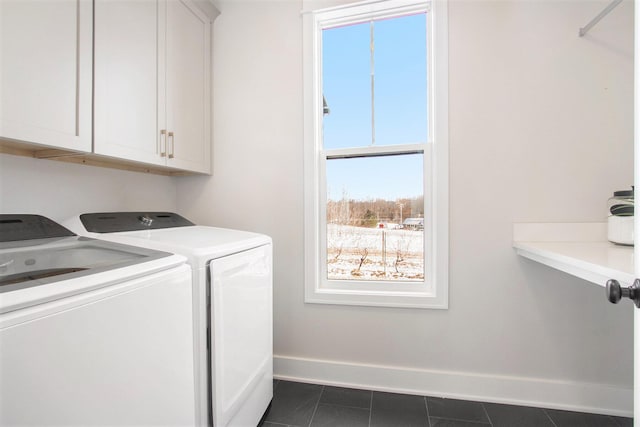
x: 163, y: 139
x: 173, y: 145
x: 615, y: 292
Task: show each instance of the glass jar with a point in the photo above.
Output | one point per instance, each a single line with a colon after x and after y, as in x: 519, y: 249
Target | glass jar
x: 620, y: 220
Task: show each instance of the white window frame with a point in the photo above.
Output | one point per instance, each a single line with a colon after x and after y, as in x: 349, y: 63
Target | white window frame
x: 433, y: 292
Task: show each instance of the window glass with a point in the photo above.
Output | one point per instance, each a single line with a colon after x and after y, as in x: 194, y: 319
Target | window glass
x: 376, y: 69
x: 346, y: 84
x: 400, y: 75
x: 375, y: 218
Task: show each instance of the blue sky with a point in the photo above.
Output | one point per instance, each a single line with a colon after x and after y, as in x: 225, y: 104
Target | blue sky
x: 400, y: 105
x: 375, y: 177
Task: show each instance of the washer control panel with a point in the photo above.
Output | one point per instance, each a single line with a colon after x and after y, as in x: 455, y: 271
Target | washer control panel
x: 113, y: 222
x: 14, y: 227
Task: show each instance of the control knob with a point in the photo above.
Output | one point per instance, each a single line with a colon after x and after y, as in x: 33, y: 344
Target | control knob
x: 145, y: 220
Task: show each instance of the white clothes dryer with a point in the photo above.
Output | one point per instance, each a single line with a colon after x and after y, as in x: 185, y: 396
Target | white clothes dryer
x: 92, y: 333
x: 232, y: 302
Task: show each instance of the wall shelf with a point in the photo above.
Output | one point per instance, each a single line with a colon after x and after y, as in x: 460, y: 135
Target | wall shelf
x: 578, y: 249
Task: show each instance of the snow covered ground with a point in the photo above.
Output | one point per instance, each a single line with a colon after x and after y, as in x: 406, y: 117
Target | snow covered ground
x: 374, y: 254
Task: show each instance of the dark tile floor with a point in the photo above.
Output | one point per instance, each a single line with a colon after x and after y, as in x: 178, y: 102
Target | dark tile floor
x: 311, y: 405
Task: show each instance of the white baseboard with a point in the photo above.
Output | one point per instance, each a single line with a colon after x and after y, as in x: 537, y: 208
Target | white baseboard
x: 566, y: 395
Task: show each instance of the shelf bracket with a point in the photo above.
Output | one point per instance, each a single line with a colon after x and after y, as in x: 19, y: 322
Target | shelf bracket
x: 597, y: 19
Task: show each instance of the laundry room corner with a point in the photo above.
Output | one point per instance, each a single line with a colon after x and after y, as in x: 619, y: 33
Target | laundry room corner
x: 256, y: 182
x: 512, y: 159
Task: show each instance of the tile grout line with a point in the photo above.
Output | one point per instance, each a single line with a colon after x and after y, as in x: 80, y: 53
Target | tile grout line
x: 426, y: 405
x: 316, y: 408
x: 343, y: 406
x: 549, y: 416
x: 370, y: 407
x: 615, y: 421
x: 486, y: 413
x: 462, y: 420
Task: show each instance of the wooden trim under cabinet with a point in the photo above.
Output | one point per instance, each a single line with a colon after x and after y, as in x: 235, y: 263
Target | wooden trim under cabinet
x: 42, y: 152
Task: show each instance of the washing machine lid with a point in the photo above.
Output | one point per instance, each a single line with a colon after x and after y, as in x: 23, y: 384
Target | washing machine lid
x: 36, y: 251
x: 199, y: 244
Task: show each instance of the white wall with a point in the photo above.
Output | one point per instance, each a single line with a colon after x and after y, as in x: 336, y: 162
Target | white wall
x: 541, y: 130
x: 60, y: 190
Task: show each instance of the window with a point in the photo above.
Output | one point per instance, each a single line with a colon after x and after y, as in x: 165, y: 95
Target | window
x: 376, y: 190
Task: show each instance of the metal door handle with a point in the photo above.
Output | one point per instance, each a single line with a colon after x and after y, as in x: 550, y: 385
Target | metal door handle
x: 173, y: 145
x: 615, y: 292
x: 163, y: 138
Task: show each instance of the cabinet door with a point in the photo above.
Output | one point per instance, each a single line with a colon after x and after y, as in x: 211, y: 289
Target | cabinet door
x: 127, y: 81
x: 188, y: 65
x: 45, y: 72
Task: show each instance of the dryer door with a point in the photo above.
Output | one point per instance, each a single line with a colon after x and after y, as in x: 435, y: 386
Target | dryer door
x: 242, y: 341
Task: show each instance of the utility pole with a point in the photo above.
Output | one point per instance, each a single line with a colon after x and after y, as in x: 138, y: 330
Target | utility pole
x: 401, y: 205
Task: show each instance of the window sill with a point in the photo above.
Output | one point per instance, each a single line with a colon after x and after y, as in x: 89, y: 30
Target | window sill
x: 371, y: 298
x: 579, y: 249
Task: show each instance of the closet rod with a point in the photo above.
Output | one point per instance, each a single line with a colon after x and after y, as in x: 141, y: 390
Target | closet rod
x: 597, y: 19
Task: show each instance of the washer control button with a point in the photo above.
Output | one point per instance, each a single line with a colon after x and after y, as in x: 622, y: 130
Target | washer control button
x: 145, y: 220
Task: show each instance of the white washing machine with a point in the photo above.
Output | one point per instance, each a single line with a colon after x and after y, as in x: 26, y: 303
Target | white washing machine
x: 91, y: 332
x: 232, y: 277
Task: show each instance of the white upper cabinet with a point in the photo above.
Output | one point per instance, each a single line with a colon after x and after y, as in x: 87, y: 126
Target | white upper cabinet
x: 188, y: 87
x: 153, y: 83
x: 45, y: 72
x: 126, y: 80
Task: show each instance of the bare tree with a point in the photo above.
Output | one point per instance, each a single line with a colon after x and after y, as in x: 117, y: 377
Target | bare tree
x: 363, y: 256
x: 398, y: 260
